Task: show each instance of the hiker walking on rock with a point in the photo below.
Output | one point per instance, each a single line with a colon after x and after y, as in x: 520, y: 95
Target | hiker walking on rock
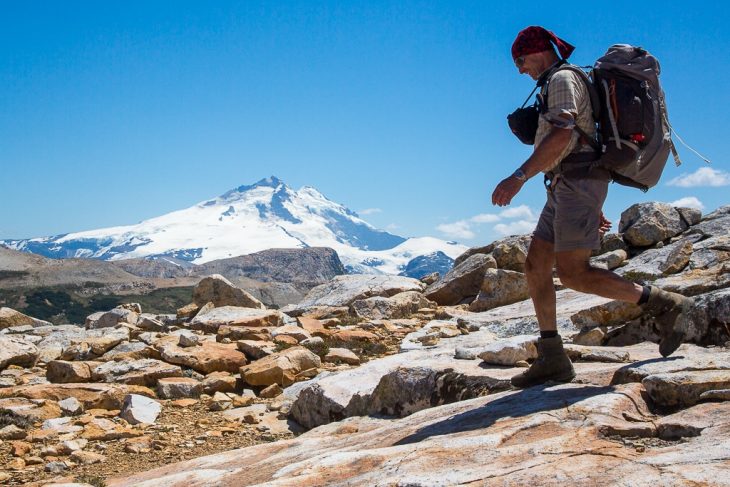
x: 572, y: 222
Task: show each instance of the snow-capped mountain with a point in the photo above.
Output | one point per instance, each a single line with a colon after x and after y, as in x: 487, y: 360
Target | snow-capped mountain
x: 248, y: 219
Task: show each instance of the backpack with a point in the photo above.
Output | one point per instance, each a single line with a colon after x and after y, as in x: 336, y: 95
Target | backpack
x: 633, y: 131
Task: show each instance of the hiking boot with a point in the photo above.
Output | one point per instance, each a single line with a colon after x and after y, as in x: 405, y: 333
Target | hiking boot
x: 668, y: 310
x: 552, y: 364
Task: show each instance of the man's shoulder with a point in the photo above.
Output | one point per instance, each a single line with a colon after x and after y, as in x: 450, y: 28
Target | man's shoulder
x: 566, y: 75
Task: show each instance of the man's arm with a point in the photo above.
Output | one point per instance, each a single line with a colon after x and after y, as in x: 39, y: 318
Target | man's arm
x: 543, y: 156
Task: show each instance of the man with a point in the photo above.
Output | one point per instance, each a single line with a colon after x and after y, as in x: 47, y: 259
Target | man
x: 572, y: 220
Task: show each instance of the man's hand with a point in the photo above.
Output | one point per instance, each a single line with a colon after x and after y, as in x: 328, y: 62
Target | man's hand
x: 604, y: 226
x: 506, y: 190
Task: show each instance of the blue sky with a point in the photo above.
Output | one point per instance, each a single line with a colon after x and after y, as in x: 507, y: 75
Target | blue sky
x: 114, y: 112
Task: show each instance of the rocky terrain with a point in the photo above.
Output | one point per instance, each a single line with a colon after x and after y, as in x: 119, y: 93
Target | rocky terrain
x: 385, y: 380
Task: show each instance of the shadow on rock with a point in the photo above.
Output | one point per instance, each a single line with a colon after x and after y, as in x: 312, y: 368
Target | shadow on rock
x: 521, y: 403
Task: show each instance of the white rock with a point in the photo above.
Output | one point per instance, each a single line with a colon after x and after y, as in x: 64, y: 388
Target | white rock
x: 509, y: 351
x: 140, y: 409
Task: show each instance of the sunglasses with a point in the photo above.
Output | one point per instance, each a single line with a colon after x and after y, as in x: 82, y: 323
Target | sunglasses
x: 520, y: 61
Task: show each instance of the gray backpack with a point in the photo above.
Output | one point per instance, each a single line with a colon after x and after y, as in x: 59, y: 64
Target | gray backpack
x: 634, y: 135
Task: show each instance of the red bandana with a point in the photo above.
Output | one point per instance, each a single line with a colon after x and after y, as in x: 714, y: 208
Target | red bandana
x: 537, y: 39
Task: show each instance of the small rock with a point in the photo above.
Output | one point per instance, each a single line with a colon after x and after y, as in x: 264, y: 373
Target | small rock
x: 220, y: 402
x: 140, y: 409
x: 510, y: 350
x: 344, y: 355
x: 12, y: 432
x: 178, y: 388
x: 20, y: 448
x: 250, y: 419
x: 219, y: 382
x: 241, y: 401
x: 15, y: 464
x: 188, y: 339
x: 87, y: 457
x: 589, y: 337
x: 716, y: 395
x: 69, y: 446
x: 429, y: 340
x: 271, y: 391
x: 142, y: 444
x: 55, y: 467
x: 463, y: 353
x: 71, y: 406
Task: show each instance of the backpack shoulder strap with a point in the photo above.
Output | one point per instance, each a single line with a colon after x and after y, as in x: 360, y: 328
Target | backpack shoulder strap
x: 592, y: 93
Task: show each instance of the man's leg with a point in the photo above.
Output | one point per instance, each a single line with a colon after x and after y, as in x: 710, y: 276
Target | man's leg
x: 575, y: 272
x: 552, y: 363
x: 539, y: 273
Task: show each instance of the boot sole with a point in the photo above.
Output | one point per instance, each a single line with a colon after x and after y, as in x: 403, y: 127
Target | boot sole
x: 671, y: 343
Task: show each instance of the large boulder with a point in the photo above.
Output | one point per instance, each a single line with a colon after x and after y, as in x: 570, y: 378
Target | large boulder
x: 144, y: 372
x: 711, y: 252
x: 686, y: 358
x: 500, y: 287
x: 684, y: 388
x: 401, y: 305
x: 487, y: 249
x: 511, y: 252
x: 645, y: 224
x: 27, y: 410
x: 91, y: 347
x: 552, y: 435
x: 280, y: 368
x: 462, y: 283
x: 343, y: 290
x: 10, y: 317
x: 16, y: 351
x: 655, y: 263
x: 607, y: 314
x: 56, y: 339
x: 111, y: 318
x: 211, y: 321
x: 65, y: 372
x: 208, y: 357
x: 220, y: 291
x: 708, y: 320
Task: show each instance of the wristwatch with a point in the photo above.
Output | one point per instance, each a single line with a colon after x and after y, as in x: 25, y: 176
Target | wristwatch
x: 520, y: 175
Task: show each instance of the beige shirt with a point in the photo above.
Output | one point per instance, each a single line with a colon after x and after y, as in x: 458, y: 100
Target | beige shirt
x: 567, y: 94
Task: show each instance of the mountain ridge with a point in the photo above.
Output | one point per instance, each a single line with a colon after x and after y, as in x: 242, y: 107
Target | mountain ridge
x: 244, y: 220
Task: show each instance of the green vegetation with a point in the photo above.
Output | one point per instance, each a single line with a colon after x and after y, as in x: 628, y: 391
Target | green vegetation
x: 359, y: 347
x: 7, y: 418
x: 319, y: 348
x: 69, y: 304
x: 12, y: 274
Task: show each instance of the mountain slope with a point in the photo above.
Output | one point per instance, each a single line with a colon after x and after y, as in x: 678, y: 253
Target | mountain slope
x: 244, y: 220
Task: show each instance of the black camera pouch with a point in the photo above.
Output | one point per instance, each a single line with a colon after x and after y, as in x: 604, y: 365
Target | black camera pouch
x: 523, y: 123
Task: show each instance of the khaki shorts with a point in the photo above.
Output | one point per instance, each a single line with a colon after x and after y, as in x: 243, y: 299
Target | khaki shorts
x: 571, y: 217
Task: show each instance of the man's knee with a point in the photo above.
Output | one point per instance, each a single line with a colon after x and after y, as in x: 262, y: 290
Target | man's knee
x: 540, y: 258
x: 572, y: 271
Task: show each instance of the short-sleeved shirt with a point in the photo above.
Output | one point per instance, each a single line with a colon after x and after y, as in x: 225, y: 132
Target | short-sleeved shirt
x: 567, y: 93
